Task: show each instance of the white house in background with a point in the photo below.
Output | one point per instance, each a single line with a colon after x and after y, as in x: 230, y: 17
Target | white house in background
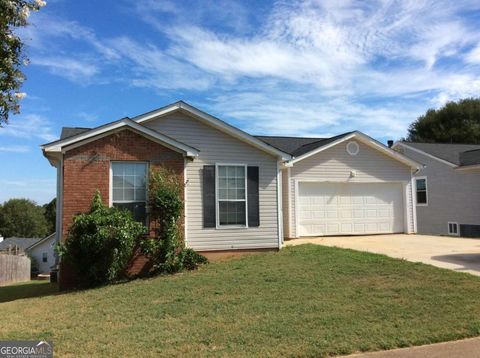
x: 43, y: 252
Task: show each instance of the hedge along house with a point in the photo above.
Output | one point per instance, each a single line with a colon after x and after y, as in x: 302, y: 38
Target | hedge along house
x: 236, y: 185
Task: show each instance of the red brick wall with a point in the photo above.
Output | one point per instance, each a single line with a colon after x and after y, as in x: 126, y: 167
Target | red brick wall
x: 87, y: 168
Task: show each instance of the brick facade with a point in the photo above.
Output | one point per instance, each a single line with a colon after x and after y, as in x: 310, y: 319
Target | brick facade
x: 87, y: 168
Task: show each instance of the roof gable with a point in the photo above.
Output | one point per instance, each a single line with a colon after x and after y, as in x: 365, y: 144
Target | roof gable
x: 82, y: 136
x: 445, y: 151
x: 316, y: 147
x: 214, y: 122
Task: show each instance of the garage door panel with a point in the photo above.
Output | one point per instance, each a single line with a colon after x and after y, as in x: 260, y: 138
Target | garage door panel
x: 350, y: 208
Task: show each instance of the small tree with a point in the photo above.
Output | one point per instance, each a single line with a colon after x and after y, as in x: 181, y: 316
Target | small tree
x: 100, y: 244
x: 22, y: 218
x: 50, y: 213
x: 167, y: 249
x: 13, y: 14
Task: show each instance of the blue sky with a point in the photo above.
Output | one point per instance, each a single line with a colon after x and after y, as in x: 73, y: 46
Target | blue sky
x: 275, y: 68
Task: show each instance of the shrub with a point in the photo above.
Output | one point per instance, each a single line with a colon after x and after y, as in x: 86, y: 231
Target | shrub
x: 100, y: 244
x: 167, y: 249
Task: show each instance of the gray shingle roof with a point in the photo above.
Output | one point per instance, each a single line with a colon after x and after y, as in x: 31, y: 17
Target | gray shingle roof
x: 68, y: 132
x: 297, y: 146
x: 446, y: 151
x: 471, y: 157
x: 21, y: 242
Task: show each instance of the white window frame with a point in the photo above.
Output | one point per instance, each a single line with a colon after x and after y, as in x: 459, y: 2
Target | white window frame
x: 426, y: 191
x: 453, y: 233
x: 110, y: 199
x: 217, y: 199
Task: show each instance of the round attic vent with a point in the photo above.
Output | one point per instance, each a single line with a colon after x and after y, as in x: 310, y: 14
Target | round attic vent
x: 353, y: 148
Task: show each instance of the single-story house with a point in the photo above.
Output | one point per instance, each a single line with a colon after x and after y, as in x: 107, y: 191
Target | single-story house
x: 43, y: 251
x: 447, y: 187
x: 242, y: 192
x: 17, y: 244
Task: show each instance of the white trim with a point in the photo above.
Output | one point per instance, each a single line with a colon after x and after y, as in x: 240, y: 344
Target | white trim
x: 296, y: 208
x: 185, y: 183
x: 46, y: 238
x: 357, y: 148
x: 426, y: 190
x: 413, y: 203
x: 402, y: 144
x: 406, y: 216
x: 468, y: 167
x: 279, y: 206
x: 217, y: 200
x: 452, y: 233
x: 289, y: 199
x: 93, y: 134
x: 59, y: 207
x: 215, y: 122
x: 365, y: 140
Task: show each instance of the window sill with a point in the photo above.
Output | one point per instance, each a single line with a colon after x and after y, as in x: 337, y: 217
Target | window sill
x: 234, y: 227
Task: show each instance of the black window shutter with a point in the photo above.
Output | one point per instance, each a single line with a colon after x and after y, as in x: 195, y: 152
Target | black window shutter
x: 209, y: 217
x: 253, y: 201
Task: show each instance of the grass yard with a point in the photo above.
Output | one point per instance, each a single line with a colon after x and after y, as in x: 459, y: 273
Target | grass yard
x: 305, y: 301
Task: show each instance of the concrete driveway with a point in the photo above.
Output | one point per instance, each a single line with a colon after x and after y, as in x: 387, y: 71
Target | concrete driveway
x: 458, y: 254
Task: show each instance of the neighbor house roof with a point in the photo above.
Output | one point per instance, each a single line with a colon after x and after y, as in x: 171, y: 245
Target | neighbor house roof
x: 21, y: 242
x: 470, y: 157
x: 449, y: 152
x: 38, y: 242
x: 68, y: 132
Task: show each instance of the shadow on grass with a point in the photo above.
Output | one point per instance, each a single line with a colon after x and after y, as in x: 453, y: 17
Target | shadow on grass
x: 28, y: 289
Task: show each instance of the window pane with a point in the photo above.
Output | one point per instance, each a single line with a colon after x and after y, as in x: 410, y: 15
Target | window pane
x: 139, y: 181
x: 240, y: 172
x: 117, y: 194
x: 232, y: 194
x: 241, y: 194
x: 421, y: 197
x: 117, y: 169
x: 421, y: 184
x: 137, y: 209
x: 118, y: 181
x: 231, y: 172
x: 129, y: 169
x: 222, y: 193
x: 140, y: 194
x: 128, y: 194
x: 222, y: 183
x: 222, y: 172
x: 128, y: 181
x: 240, y: 183
x: 232, y: 212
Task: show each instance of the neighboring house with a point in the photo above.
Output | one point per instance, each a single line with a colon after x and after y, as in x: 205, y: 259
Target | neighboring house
x: 241, y: 192
x: 43, y: 252
x: 447, y: 187
x: 17, y: 244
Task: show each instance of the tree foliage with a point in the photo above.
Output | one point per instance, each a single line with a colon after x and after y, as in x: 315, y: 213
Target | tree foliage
x: 50, y: 212
x: 456, y: 122
x: 167, y: 250
x: 22, y: 218
x: 13, y: 14
x: 100, y: 244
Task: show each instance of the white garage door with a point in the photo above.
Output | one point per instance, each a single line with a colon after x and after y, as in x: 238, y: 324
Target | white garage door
x: 350, y: 208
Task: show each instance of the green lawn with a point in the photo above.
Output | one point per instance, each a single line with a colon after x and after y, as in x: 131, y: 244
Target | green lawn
x: 305, y: 301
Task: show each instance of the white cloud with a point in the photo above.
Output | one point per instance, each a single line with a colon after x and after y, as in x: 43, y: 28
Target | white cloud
x: 15, y: 149
x: 474, y: 55
x: 75, y: 70
x: 29, y: 126
x: 39, y: 190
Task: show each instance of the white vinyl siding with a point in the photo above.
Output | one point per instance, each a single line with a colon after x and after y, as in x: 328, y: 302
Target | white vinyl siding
x: 335, y: 165
x: 217, y: 147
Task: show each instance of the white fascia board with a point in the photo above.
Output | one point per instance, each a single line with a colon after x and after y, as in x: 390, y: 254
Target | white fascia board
x: 402, y: 144
x: 216, y: 123
x: 364, y: 139
x: 93, y: 134
x: 468, y: 167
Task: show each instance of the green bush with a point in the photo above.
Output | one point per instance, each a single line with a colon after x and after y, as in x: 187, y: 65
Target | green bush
x: 100, y: 244
x: 167, y: 249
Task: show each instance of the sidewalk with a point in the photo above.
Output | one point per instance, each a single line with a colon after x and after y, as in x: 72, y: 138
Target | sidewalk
x: 466, y: 348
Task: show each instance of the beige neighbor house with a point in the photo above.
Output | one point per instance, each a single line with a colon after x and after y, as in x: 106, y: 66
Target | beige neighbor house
x: 447, y: 187
x: 242, y: 192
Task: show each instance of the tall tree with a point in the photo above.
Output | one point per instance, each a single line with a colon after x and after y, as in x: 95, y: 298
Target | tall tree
x: 13, y: 14
x: 22, y: 218
x: 456, y: 122
x: 50, y: 211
